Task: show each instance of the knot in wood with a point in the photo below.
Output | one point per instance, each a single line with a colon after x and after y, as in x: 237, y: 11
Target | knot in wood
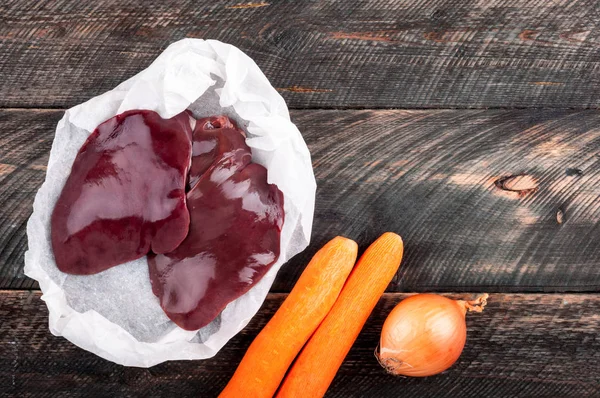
x: 522, y: 184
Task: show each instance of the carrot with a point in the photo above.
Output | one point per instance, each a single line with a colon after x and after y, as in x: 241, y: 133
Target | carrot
x: 319, y: 361
x: 273, y: 350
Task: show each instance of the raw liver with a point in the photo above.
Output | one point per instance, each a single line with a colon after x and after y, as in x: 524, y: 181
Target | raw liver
x: 234, y: 238
x: 126, y: 193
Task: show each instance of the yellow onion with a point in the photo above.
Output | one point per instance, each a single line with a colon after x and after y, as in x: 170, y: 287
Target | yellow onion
x: 425, y: 334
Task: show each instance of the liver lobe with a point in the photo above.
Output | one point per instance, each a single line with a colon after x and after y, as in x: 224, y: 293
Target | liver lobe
x: 234, y: 237
x: 126, y: 193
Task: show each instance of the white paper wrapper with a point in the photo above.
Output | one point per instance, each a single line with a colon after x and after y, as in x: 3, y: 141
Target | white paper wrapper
x: 114, y: 314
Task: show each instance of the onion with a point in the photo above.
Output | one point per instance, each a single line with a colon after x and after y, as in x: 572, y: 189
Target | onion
x: 425, y: 334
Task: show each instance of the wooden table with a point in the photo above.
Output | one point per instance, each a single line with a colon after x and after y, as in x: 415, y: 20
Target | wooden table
x: 470, y: 128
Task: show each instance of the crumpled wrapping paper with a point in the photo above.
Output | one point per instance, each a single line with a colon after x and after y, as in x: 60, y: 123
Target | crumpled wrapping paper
x: 114, y: 313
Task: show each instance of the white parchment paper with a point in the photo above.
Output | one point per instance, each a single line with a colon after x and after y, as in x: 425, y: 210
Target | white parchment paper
x: 114, y: 313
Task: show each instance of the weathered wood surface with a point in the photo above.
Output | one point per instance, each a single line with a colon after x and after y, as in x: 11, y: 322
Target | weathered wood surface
x: 439, y: 178
x: 533, y: 345
x: 389, y: 54
x: 25, y: 141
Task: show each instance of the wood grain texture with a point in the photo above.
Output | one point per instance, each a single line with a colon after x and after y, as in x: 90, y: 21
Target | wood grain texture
x: 485, y: 200
x: 431, y: 176
x: 534, y: 345
x: 386, y: 54
x: 25, y: 141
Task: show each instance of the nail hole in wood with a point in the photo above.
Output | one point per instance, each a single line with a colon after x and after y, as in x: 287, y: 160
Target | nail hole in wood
x: 574, y: 172
x: 560, y: 216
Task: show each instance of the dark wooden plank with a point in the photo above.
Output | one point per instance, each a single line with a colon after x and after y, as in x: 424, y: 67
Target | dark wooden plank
x: 534, y: 345
x: 433, y: 176
x: 439, y: 178
x: 391, y: 53
x: 25, y: 141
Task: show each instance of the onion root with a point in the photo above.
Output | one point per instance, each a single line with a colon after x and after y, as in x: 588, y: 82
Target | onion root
x: 476, y: 305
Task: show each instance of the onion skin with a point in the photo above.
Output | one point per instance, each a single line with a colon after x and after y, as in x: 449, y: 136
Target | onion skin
x: 425, y: 334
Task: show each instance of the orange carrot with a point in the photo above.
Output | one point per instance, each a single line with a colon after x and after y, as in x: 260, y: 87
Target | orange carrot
x: 319, y: 361
x: 273, y: 350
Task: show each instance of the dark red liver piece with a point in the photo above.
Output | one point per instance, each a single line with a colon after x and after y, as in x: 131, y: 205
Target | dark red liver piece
x: 126, y: 193
x: 234, y: 238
